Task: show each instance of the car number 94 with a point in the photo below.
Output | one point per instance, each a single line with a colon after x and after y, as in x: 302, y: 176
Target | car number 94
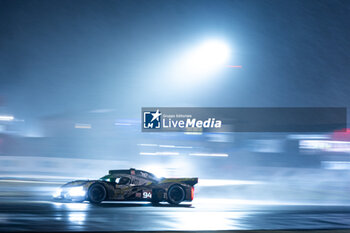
x: 147, y: 195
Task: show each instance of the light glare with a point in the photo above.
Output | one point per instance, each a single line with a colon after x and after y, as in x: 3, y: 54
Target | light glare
x: 208, y: 57
x: 76, y: 192
x: 209, y: 154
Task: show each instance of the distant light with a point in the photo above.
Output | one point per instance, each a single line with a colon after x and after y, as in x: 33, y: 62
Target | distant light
x: 184, y: 147
x: 325, y: 145
x: 147, y: 144
x: 308, y: 136
x: 209, y: 154
x: 6, y: 118
x: 124, y: 124
x: 103, y: 110
x: 193, y: 133
x: 234, y: 66
x: 159, y: 153
x: 82, y: 126
x: 206, y: 58
x: 167, y: 146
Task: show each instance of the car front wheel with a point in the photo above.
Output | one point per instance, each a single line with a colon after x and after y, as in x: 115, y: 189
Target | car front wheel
x: 97, y: 193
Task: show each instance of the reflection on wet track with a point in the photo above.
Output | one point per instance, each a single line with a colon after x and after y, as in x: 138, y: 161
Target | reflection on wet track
x: 201, y: 215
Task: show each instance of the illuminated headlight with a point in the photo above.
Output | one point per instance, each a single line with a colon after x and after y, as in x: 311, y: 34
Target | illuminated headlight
x: 76, y: 192
x: 57, y: 193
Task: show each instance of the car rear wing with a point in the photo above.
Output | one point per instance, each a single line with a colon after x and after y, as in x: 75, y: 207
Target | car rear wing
x: 189, y: 181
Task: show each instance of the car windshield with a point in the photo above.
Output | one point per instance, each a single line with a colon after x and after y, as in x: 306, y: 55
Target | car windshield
x: 118, y: 180
x: 106, y: 178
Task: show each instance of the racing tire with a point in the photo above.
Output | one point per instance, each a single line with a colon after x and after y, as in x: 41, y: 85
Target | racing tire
x: 176, y: 194
x: 97, y: 193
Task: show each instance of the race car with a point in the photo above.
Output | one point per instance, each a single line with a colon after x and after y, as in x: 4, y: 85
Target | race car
x: 128, y: 185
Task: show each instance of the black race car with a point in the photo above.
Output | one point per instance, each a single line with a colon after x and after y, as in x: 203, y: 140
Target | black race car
x: 128, y: 185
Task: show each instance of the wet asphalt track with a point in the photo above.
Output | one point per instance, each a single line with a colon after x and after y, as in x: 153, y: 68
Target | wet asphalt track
x: 36, y: 215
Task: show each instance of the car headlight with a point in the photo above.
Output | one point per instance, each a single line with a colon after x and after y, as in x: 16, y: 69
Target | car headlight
x: 57, y: 193
x: 76, y: 191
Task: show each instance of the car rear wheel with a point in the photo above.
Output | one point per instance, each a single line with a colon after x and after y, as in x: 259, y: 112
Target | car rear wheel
x: 176, y: 194
x: 97, y: 193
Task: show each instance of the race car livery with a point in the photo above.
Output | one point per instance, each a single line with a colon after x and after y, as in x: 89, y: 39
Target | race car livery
x: 128, y: 185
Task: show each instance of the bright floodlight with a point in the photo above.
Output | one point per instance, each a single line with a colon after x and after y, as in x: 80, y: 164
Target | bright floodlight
x: 207, y: 58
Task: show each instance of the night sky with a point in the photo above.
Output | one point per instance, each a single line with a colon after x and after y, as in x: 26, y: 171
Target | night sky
x: 69, y: 56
